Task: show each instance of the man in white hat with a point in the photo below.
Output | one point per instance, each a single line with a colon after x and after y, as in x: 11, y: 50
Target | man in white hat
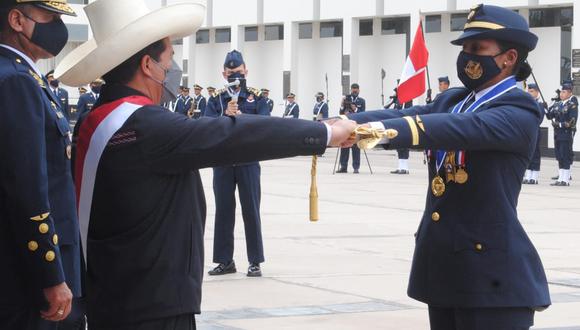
x: 136, y: 166
x: 40, y: 256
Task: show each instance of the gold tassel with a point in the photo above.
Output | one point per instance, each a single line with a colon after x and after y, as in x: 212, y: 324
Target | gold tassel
x: 313, y: 191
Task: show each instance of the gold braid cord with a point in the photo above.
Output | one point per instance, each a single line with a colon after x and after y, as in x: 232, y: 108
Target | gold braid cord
x: 368, y: 137
x: 313, y: 191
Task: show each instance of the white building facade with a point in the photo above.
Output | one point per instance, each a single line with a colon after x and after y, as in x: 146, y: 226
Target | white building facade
x: 291, y: 46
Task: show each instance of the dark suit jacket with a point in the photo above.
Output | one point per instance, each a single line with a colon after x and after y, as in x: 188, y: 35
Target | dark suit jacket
x: 37, y: 200
x: 145, y: 242
x: 474, y: 251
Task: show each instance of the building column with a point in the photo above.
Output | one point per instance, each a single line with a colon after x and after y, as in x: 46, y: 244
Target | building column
x: 350, y: 32
x: 290, y: 63
x: 237, y: 38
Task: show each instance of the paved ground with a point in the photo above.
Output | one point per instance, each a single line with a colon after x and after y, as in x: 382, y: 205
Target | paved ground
x: 350, y: 270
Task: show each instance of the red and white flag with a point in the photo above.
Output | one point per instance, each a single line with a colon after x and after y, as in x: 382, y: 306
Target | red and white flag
x: 412, y: 83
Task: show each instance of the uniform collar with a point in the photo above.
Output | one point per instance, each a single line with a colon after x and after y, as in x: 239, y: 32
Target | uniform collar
x: 566, y: 101
x: 25, y: 57
x: 482, y: 93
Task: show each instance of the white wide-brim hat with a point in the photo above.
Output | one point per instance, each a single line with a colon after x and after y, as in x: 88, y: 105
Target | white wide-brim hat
x: 121, y: 28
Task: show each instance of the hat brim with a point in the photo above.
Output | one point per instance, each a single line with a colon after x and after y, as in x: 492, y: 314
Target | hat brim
x: 524, y: 38
x: 57, y: 7
x: 91, y: 60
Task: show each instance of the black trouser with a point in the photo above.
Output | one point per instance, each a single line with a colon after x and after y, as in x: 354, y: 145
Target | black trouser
x: 403, y: 153
x: 564, y: 153
x: 179, y: 322
x: 344, y: 154
x: 442, y: 318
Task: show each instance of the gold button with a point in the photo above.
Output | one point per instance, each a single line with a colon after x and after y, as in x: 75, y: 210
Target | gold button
x: 32, y: 246
x: 478, y: 247
x: 55, y: 239
x: 50, y: 256
x: 18, y: 60
x: 43, y: 228
x: 435, y: 216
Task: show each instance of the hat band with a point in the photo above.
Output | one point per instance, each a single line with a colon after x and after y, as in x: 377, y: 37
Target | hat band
x: 483, y: 25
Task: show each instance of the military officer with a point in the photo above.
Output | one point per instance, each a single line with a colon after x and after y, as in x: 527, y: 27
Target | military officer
x: 352, y: 103
x: 292, y: 109
x: 82, y: 90
x: 266, y: 99
x: 403, y: 153
x: 473, y: 264
x: 320, y: 110
x: 183, y: 105
x: 60, y: 93
x: 88, y: 100
x: 564, y: 116
x: 200, y: 101
x: 235, y: 101
x: 533, y: 172
x: 39, y: 234
x: 210, y: 92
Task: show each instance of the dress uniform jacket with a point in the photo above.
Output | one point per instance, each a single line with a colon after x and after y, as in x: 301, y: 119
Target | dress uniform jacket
x: 183, y: 105
x: 471, y: 250
x: 269, y: 103
x: 201, y: 104
x: 62, y: 96
x: 39, y: 234
x: 565, y: 117
x: 292, y: 111
x: 145, y: 239
x: 320, y: 110
x: 86, y: 103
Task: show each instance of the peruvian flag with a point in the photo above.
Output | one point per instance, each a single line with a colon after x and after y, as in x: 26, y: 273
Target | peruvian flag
x: 412, y: 83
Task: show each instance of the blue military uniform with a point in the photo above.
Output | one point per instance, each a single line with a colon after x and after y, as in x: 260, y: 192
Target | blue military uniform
x: 360, y: 104
x: 292, y: 109
x: 533, y: 171
x: 245, y: 176
x: 473, y: 264
x: 564, y: 116
x: 39, y: 234
x: 201, y: 105
x: 86, y: 103
x: 183, y: 104
x: 268, y: 101
x: 62, y: 96
x: 320, y: 110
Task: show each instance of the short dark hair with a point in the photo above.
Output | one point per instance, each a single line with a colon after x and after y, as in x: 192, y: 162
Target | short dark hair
x: 522, y: 69
x: 125, y: 71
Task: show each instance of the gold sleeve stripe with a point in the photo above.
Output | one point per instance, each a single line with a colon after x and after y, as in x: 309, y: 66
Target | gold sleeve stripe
x: 344, y: 117
x: 483, y: 25
x: 420, y: 123
x: 414, y: 131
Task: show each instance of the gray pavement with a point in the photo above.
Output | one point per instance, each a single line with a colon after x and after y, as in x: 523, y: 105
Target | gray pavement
x: 350, y: 269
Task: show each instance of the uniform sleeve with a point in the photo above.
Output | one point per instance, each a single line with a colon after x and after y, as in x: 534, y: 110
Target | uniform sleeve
x: 363, y: 106
x: 380, y: 115
x: 24, y: 180
x: 202, y: 105
x: 505, y: 128
x: 213, y: 108
x: 324, y: 110
x: 296, y: 112
x: 263, y: 108
x: 81, y: 105
x: 573, y: 112
x: 174, y: 144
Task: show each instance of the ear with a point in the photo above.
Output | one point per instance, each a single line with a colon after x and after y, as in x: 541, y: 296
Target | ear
x: 146, y: 66
x: 511, y: 57
x: 16, y: 20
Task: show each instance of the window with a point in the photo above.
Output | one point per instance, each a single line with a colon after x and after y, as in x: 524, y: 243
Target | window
x: 305, y: 31
x: 77, y: 32
x: 274, y: 32
x: 202, y: 37
x: 395, y: 25
x: 177, y: 42
x: 551, y: 17
x: 223, y: 35
x: 433, y: 23
x: 458, y: 22
x: 251, y: 33
x: 78, y: 2
x: 330, y: 29
x: 365, y: 27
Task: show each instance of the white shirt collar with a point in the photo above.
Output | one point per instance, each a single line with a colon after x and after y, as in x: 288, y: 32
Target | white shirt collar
x: 482, y: 93
x: 26, y: 58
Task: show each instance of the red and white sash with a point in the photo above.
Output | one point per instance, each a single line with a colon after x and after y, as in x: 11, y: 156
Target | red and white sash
x: 94, y: 135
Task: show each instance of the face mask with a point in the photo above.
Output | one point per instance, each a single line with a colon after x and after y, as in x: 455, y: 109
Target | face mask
x: 238, y: 76
x: 171, y: 82
x: 51, y: 36
x: 476, y: 70
x: 355, y: 94
x: 54, y: 83
x: 318, y: 99
x: 96, y: 89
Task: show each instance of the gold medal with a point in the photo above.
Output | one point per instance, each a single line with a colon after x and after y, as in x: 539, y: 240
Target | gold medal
x: 461, y: 176
x: 438, y: 186
x: 449, y: 173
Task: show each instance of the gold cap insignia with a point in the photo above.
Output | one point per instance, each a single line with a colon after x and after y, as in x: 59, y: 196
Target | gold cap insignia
x: 41, y: 217
x: 472, y: 12
x: 474, y: 70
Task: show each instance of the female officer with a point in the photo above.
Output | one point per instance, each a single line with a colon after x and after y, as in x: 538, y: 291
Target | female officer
x: 473, y: 264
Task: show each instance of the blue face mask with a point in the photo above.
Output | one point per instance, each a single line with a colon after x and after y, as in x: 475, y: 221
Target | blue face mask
x: 476, y: 70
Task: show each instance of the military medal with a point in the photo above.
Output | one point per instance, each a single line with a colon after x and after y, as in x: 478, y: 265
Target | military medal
x: 450, y: 166
x: 438, y: 186
x: 461, y: 175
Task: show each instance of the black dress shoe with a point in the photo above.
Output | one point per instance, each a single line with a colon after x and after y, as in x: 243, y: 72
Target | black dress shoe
x: 526, y: 181
x: 223, y: 269
x: 254, y: 270
x: 355, y: 171
x: 560, y: 184
x: 342, y: 170
x: 396, y: 172
x: 532, y: 181
x: 403, y: 172
x: 555, y: 177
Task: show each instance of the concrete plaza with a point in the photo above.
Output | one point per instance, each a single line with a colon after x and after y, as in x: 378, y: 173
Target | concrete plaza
x: 350, y: 269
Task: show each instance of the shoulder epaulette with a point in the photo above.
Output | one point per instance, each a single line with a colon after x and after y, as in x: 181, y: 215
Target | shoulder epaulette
x: 37, y: 78
x: 218, y: 92
x: 254, y: 91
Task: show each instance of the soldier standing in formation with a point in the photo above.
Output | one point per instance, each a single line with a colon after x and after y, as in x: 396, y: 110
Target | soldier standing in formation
x: 564, y: 116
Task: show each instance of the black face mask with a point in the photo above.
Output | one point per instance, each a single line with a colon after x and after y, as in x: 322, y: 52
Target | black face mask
x: 54, y: 83
x: 319, y: 99
x: 476, y: 70
x: 51, y: 36
x: 96, y: 89
x: 238, y: 76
